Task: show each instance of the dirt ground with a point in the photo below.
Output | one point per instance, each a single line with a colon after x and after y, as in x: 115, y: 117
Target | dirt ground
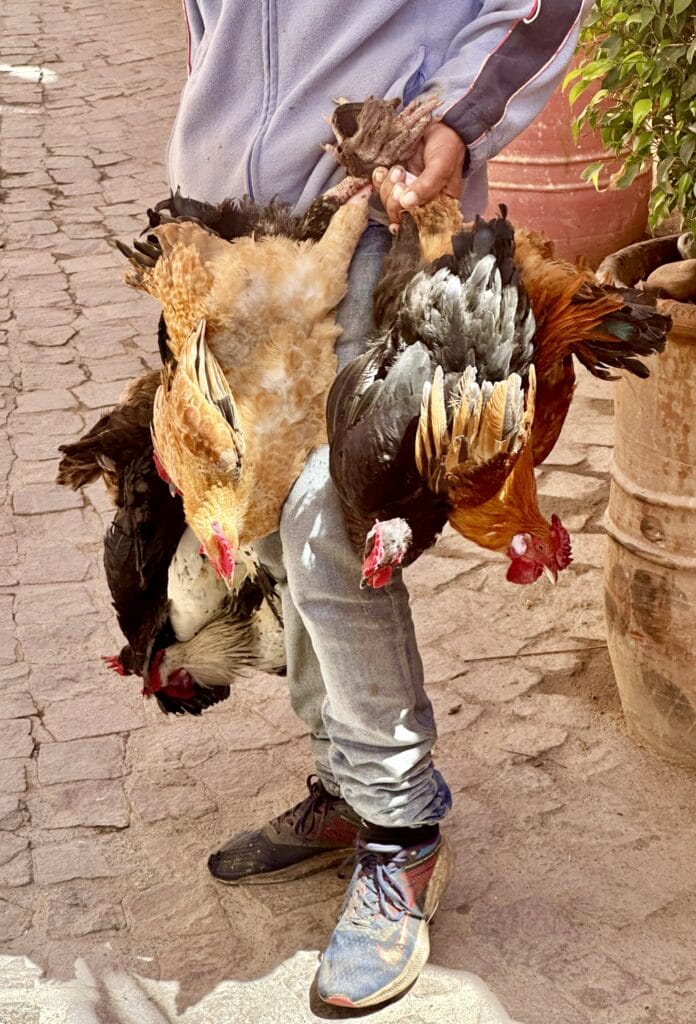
x: 574, y: 895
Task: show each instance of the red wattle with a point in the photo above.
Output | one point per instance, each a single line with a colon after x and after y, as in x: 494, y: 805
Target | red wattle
x: 179, y: 684
x: 161, y: 471
x: 521, y: 571
x: 381, y: 578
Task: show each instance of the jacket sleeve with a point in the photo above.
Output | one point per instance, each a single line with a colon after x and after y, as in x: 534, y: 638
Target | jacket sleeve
x: 502, y: 68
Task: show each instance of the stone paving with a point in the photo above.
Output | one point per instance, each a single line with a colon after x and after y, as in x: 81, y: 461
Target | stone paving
x: 574, y: 895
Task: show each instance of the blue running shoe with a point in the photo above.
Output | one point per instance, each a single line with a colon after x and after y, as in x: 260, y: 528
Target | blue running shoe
x: 381, y: 942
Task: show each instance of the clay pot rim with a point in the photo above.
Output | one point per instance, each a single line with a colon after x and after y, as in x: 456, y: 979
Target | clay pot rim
x: 634, y: 262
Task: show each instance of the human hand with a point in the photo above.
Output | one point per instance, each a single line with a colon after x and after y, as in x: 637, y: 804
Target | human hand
x: 437, y: 164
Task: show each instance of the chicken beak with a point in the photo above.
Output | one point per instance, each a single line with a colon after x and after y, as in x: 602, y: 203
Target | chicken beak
x: 551, y: 575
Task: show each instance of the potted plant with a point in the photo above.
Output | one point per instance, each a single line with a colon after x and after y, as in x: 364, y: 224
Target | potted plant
x: 643, y: 55
x: 538, y: 176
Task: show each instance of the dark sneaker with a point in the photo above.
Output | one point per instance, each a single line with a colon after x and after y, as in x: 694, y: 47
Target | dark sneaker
x: 316, y: 833
x: 381, y: 942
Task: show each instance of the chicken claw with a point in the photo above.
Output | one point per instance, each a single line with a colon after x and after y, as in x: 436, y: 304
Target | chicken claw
x: 371, y: 134
x: 347, y: 189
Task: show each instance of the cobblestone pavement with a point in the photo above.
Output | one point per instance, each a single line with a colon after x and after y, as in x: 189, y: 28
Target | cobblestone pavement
x: 575, y: 893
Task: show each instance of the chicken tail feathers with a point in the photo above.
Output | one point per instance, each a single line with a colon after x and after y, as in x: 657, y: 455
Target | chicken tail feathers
x: 398, y: 267
x: 119, y: 435
x: 236, y: 218
x: 82, y: 462
x: 230, y: 219
x: 629, y: 330
x: 494, y: 237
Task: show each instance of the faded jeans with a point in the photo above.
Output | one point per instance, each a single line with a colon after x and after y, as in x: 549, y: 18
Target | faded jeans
x: 354, y: 671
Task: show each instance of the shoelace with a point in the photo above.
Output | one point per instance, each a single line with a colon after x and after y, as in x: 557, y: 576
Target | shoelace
x: 376, y: 885
x: 307, y: 817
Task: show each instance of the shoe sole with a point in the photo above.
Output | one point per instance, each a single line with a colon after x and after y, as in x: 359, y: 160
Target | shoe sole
x: 439, y: 880
x: 303, y: 868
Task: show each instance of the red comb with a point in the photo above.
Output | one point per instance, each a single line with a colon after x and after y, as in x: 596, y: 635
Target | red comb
x: 561, y: 537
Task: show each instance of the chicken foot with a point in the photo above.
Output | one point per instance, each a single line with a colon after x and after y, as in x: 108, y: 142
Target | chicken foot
x: 371, y: 134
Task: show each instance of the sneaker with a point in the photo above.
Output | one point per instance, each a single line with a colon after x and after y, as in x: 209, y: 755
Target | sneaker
x: 381, y: 942
x: 318, y: 832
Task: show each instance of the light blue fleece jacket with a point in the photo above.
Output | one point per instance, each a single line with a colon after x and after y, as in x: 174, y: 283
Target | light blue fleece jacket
x: 262, y: 75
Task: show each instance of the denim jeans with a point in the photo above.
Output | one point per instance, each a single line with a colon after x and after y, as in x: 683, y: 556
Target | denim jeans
x: 354, y: 671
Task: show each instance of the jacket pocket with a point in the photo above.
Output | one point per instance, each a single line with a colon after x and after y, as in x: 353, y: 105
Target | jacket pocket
x: 414, y: 84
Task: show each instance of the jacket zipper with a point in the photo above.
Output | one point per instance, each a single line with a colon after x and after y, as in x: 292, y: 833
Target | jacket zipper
x: 270, y: 85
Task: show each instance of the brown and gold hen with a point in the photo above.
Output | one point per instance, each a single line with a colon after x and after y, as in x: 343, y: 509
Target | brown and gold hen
x: 251, y: 332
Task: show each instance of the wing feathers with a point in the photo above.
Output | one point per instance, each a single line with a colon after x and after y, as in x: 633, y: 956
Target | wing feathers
x: 489, y: 426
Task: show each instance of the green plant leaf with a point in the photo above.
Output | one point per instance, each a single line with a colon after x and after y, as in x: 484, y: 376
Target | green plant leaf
x: 643, y: 143
x: 612, y: 78
x: 643, y: 53
x: 612, y: 45
x: 577, y: 90
x: 598, y: 97
x: 570, y: 77
x: 665, y: 97
x: 641, y: 109
x: 687, y: 149
x: 663, y: 169
x: 592, y: 173
x: 627, y: 175
x: 688, y: 90
x: 684, y: 184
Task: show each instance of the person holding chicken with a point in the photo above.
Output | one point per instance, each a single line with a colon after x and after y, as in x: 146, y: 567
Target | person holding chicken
x: 252, y: 124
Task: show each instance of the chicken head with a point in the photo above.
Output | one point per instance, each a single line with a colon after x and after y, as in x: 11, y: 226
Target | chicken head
x: 216, y: 528
x: 386, y: 546
x: 531, y: 555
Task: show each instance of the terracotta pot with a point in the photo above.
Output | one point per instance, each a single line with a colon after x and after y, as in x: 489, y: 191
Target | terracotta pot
x: 650, y: 569
x: 538, y: 176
